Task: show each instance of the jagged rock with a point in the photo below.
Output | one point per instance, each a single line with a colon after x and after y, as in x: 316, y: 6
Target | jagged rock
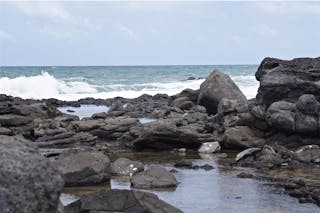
x: 309, y: 153
x: 114, y: 128
x: 228, y: 106
x: 66, y: 139
x: 209, y: 147
x: 29, y: 183
x: 84, y: 168
x: 287, y: 80
x: 154, y: 177
x: 124, y: 166
x: 216, y: 87
x: 117, y: 200
x: 241, y: 137
x: 259, y: 111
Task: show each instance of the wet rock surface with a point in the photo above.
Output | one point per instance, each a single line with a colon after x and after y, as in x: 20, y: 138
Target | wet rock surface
x: 280, y: 127
x: 127, y: 167
x: 154, y: 177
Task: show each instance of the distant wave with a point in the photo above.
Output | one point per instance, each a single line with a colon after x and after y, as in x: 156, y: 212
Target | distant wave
x: 47, y: 86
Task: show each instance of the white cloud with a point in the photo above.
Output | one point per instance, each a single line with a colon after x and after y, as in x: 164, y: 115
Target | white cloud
x: 62, y: 23
x: 128, y: 31
x: 55, y: 33
x: 287, y: 7
x: 5, y: 36
x: 62, y: 33
x: 52, y: 10
x: 266, y: 31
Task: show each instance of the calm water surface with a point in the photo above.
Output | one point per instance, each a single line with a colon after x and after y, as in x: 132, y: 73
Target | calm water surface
x: 218, y: 190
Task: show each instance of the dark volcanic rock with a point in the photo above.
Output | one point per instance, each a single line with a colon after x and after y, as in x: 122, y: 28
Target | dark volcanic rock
x: 14, y: 120
x: 308, y: 104
x: 116, y: 200
x: 241, y: 137
x: 84, y: 168
x: 28, y: 183
x: 281, y: 115
x: 166, y: 135
x: 66, y: 139
x: 287, y: 80
x: 153, y: 177
x: 114, y: 128
x: 217, y: 86
x: 183, y: 103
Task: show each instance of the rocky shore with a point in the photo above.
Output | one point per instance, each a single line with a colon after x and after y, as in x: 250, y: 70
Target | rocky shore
x: 278, y: 129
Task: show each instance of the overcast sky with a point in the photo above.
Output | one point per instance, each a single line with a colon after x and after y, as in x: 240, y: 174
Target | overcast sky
x: 158, y: 33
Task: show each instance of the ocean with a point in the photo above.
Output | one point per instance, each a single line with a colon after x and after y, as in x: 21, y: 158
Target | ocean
x: 76, y: 82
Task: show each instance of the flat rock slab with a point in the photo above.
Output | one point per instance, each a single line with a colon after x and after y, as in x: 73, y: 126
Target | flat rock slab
x: 154, y: 177
x: 84, y: 168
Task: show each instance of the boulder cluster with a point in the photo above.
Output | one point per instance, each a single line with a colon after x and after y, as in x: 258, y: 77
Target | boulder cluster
x: 279, y: 128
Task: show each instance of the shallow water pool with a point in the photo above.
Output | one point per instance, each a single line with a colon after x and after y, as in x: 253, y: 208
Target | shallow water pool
x: 218, y: 190
x: 84, y: 110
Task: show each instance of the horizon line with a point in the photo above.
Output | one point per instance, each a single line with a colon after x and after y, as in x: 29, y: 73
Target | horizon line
x: 129, y: 65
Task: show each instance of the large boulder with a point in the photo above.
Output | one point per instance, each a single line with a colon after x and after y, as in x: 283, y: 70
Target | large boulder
x: 287, y: 80
x: 117, y: 200
x: 29, y: 183
x: 154, y: 177
x: 125, y: 166
x: 216, y: 87
x: 84, y: 168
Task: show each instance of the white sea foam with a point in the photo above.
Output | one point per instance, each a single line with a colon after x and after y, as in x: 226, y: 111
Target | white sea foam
x: 47, y: 86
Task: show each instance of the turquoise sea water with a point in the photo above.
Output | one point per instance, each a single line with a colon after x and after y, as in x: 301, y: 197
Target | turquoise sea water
x: 75, y: 82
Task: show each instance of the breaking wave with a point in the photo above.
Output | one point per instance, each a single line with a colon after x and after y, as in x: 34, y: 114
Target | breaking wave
x: 45, y: 85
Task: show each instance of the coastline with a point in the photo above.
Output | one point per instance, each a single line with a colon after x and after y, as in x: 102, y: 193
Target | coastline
x: 276, y: 130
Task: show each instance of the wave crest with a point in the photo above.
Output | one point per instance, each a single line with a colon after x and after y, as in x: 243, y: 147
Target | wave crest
x: 42, y: 86
x: 45, y: 85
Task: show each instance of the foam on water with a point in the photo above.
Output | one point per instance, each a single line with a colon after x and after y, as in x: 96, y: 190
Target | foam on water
x: 46, y: 85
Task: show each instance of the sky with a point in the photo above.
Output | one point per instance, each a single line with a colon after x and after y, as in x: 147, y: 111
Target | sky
x: 156, y: 33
